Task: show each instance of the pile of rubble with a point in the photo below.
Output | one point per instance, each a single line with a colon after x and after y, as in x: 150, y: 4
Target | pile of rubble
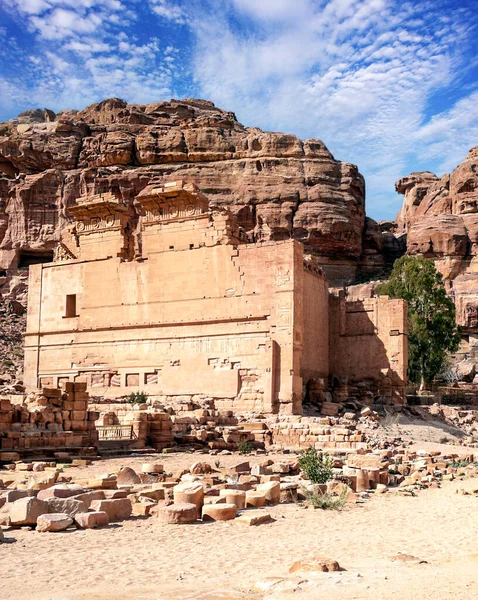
x: 12, y: 324
x: 50, y: 500
x: 465, y: 419
x: 50, y: 421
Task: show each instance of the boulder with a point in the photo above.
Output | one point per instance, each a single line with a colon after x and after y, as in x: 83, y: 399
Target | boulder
x: 92, y: 520
x: 177, y: 514
x: 26, y: 511
x: 189, y: 493
x: 68, y: 506
x: 219, y: 512
x: 315, y: 563
x: 54, y: 522
x: 254, y: 517
x: 127, y: 476
x: 154, y: 468
x: 200, y: 468
x: 117, y: 509
x: 271, y: 490
x: 255, y: 499
x: 61, y: 490
x: 237, y: 497
x: 88, y: 497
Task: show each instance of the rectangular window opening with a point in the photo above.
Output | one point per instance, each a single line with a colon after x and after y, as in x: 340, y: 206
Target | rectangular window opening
x: 70, y: 310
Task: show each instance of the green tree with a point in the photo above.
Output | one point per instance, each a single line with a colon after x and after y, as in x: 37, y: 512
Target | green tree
x: 432, y: 330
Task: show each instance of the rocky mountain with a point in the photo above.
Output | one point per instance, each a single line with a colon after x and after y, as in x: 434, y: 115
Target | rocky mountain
x: 440, y: 220
x: 277, y: 185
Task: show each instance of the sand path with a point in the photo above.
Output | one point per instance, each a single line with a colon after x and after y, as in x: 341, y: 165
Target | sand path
x: 143, y: 559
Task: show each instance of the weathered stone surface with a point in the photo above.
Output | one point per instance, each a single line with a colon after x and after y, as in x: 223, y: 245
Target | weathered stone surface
x: 255, y: 499
x: 117, y: 509
x: 152, y: 468
x: 440, y: 218
x: 277, y: 185
x: 68, y: 506
x: 61, y: 490
x: 219, y: 512
x: 254, y: 517
x: 237, y: 497
x: 54, y: 522
x: 189, y: 493
x: 26, y: 511
x: 316, y: 563
x: 177, y: 514
x: 92, y: 520
x: 127, y: 476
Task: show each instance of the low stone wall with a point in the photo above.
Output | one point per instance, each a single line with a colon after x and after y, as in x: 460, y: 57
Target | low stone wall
x: 46, y: 421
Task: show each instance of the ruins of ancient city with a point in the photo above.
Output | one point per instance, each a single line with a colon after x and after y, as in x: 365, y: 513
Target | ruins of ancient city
x: 204, y: 393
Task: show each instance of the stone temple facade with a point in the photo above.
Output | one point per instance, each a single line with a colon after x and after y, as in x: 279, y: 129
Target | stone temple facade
x: 169, y: 298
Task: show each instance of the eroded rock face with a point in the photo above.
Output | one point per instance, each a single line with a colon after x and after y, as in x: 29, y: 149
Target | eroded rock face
x: 440, y: 217
x: 277, y: 185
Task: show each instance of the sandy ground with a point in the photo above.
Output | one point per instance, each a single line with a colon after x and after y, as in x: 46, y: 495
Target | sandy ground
x: 144, y: 559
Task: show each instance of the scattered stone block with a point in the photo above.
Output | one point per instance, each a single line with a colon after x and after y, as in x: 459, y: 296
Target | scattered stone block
x: 241, y: 467
x: 271, y: 490
x: 219, y: 512
x: 54, y: 522
x: 177, y: 514
x: 127, y: 476
x: 68, y: 506
x: 88, y: 497
x: 12, y: 495
x: 189, y: 493
x: 154, y: 468
x: 141, y: 509
x: 237, y: 497
x: 26, y: 511
x: 255, y: 499
x: 92, y: 520
x: 61, y: 490
x: 252, y: 518
x: 117, y: 509
x: 200, y: 468
x: 288, y: 492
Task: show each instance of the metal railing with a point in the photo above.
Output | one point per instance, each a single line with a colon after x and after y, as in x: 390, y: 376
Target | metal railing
x: 115, y: 432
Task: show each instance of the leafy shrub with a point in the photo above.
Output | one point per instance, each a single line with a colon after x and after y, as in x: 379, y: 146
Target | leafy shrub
x: 325, y: 500
x: 315, y: 465
x: 137, y: 397
x: 244, y: 446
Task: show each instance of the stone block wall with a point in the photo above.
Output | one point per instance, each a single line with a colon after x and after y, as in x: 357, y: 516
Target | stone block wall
x: 46, y: 421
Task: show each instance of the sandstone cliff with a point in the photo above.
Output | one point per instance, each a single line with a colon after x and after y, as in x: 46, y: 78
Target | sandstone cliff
x: 277, y: 185
x: 440, y: 219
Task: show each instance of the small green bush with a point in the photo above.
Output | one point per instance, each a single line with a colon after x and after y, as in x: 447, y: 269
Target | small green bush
x: 137, y: 397
x: 316, y: 466
x: 244, y: 446
x: 326, y: 501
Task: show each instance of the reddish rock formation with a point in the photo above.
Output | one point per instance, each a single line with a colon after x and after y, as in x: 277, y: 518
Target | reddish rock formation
x: 440, y: 217
x: 278, y: 185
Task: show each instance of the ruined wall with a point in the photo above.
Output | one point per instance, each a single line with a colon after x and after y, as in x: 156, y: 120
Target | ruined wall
x: 315, y: 354
x: 46, y: 422
x: 368, y: 340
x: 216, y: 321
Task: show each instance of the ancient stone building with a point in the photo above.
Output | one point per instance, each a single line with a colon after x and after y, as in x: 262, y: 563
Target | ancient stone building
x: 171, y: 299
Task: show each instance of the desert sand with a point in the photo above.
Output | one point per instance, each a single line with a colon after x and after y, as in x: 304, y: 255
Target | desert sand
x: 145, y: 560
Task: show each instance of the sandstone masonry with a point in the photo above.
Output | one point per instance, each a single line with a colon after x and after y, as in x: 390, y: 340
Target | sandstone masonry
x: 177, y: 302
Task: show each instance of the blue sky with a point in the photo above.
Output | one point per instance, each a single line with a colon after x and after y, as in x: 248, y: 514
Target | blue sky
x: 389, y: 85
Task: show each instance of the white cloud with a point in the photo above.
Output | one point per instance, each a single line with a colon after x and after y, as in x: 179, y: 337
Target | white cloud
x: 358, y: 74
x: 170, y: 10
